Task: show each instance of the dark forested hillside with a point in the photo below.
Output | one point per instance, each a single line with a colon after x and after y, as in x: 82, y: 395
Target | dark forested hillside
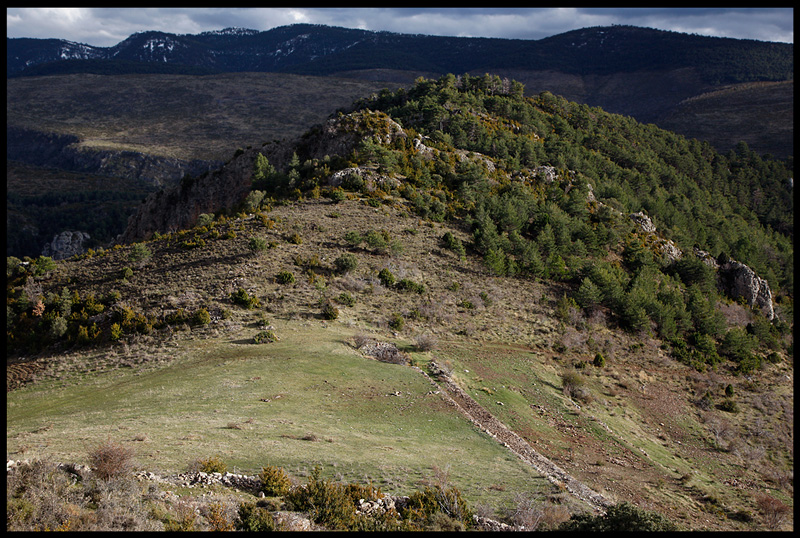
x: 737, y: 203
x: 322, y: 50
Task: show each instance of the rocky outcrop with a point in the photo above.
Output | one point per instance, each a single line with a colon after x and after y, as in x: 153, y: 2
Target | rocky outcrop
x: 65, y: 245
x: 643, y: 222
x: 741, y: 282
x: 178, y: 208
x: 65, y: 152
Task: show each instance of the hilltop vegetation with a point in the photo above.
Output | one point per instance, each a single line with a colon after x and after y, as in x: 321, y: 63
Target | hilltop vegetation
x: 485, y: 229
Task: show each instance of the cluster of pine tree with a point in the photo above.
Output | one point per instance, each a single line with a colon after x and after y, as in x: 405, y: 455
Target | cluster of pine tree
x: 526, y: 223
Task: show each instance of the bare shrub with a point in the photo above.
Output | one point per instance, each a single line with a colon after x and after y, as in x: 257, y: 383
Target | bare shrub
x: 720, y: 430
x: 352, y: 284
x: 527, y: 512
x: 217, y: 517
x: 361, y: 339
x: 426, y: 342
x: 572, y: 384
x: 120, y: 506
x: 110, y: 460
x: 774, y: 510
x: 390, y: 354
x: 185, y: 518
x: 36, y: 496
x: 553, y: 515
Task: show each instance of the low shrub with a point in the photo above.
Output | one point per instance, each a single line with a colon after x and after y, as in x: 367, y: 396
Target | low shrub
x: 329, y: 311
x: 285, y: 277
x: 111, y: 460
x: 599, y: 360
x: 257, y: 245
x: 426, y: 508
x: 201, y: 317
x: 729, y: 406
x: 353, y: 238
x: 254, y: 518
x: 386, y: 277
x: 396, y: 322
x: 328, y: 503
x: 572, y: 384
x: 214, y: 464
x: 451, y: 242
x: 346, y: 299
x: 409, y: 285
x: 345, y: 263
x: 265, y: 337
x: 242, y: 298
x: 275, y: 482
x: 378, y: 241
x: 621, y: 517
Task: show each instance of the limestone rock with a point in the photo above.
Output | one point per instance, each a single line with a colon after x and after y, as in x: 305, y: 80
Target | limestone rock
x: 65, y: 245
x: 740, y: 281
x: 643, y: 222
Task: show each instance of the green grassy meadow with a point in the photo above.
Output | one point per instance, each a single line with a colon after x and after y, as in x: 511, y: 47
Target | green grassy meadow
x: 309, y: 399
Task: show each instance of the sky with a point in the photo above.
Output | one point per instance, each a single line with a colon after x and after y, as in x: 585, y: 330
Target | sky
x: 105, y: 27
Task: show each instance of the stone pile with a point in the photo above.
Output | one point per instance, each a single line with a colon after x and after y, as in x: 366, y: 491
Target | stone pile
x: 231, y: 480
x: 385, y: 352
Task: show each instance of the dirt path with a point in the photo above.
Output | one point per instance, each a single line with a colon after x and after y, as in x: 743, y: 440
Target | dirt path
x: 516, y: 444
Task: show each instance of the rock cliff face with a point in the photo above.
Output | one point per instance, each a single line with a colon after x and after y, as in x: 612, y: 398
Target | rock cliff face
x: 64, y: 152
x: 179, y: 207
x: 65, y: 245
x: 739, y: 281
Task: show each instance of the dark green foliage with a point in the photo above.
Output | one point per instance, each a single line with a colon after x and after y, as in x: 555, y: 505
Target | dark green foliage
x: 328, y: 503
x: 201, y: 317
x: 729, y: 405
x: 274, y: 481
x: 43, y: 265
x: 396, y: 322
x: 254, y: 518
x: 386, y: 277
x: 738, y: 345
x: 242, y: 298
x: 345, y: 263
x: 353, y: 238
x: 426, y: 507
x: 329, y: 311
x: 620, y: 518
x: 406, y: 284
x: 378, y: 241
x: 588, y: 296
x: 599, y: 360
x: 453, y: 243
x: 765, y: 332
x: 636, y: 255
x: 337, y: 195
x: 265, y: 337
x: 285, y: 277
x: 257, y: 245
x: 346, y: 299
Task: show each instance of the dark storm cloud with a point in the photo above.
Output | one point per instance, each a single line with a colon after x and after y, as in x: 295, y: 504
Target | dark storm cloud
x: 108, y: 26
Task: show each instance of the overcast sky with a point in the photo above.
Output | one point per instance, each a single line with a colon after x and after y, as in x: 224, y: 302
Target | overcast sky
x: 105, y: 27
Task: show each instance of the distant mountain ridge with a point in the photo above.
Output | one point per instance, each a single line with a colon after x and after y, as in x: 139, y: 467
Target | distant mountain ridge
x: 324, y: 50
